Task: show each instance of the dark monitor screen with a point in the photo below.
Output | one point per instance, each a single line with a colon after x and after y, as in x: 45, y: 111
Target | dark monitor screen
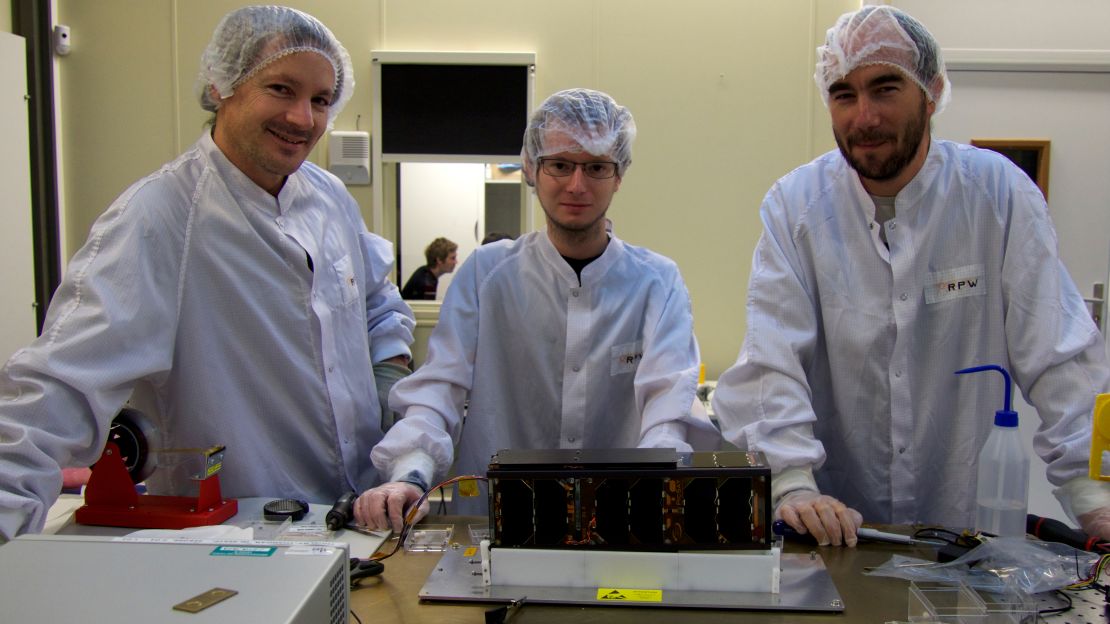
x: 453, y: 109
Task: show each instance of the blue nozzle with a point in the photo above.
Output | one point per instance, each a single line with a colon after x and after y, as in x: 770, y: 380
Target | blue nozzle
x: 1005, y: 417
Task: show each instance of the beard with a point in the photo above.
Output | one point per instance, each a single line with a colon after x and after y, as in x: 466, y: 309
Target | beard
x: 906, y: 144
x: 576, y: 231
x: 579, y: 229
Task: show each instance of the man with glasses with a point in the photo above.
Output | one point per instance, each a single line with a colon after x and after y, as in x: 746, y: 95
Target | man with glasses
x: 568, y: 338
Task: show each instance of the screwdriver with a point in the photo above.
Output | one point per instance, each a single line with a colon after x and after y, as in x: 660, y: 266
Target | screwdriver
x: 780, y: 527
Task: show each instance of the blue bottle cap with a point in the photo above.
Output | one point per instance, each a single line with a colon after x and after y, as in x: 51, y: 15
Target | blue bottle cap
x: 1005, y: 417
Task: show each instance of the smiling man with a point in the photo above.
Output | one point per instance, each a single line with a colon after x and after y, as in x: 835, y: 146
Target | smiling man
x: 566, y: 338
x: 234, y: 296
x: 882, y: 270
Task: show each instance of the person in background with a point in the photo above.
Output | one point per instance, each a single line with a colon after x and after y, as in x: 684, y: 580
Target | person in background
x: 565, y: 338
x: 493, y: 237
x: 234, y: 296
x: 442, y: 256
x: 883, y: 268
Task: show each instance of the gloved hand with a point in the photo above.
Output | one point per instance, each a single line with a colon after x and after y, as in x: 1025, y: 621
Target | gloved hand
x: 384, y: 507
x: 1096, y: 523
x: 386, y: 374
x: 829, y: 520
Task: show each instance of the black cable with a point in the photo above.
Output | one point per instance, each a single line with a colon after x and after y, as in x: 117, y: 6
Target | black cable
x: 355, y: 615
x: 364, y: 568
x: 501, y: 615
x: 1057, y: 610
x: 937, y: 534
x: 1106, y: 601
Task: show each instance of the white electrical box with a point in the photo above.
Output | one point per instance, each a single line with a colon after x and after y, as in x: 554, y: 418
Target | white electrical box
x: 349, y: 156
x: 101, y: 580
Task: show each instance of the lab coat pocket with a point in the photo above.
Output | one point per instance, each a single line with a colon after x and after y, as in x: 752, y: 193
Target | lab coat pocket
x: 348, y: 281
x: 624, y: 358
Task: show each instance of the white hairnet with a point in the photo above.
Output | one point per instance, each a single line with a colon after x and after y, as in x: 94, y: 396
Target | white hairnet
x: 883, y: 34
x: 248, y: 39
x: 579, y: 120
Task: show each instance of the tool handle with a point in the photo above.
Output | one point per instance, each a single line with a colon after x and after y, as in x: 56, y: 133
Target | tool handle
x: 340, y: 513
x: 1055, y: 531
x: 780, y: 527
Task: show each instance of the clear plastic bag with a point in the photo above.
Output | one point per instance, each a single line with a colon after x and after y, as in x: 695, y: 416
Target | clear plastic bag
x: 1001, y: 564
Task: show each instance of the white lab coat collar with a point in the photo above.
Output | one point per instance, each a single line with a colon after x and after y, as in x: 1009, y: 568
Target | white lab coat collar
x: 246, y: 190
x: 594, y: 271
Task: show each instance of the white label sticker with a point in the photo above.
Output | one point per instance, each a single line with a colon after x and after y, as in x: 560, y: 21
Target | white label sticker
x: 626, y: 357
x: 315, y: 550
x: 957, y: 283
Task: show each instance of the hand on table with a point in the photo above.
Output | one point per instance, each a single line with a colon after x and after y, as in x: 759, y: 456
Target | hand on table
x: 829, y: 520
x: 385, y: 506
x: 1096, y: 523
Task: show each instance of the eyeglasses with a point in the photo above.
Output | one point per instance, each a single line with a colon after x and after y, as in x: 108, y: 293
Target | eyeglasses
x: 558, y: 168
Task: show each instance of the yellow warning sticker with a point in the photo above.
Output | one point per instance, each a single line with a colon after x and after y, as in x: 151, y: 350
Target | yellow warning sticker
x: 630, y: 595
x: 468, y: 487
x: 470, y: 552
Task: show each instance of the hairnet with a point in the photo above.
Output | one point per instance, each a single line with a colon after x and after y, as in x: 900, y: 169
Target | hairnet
x: 248, y: 39
x: 579, y: 120
x: 883, y: 34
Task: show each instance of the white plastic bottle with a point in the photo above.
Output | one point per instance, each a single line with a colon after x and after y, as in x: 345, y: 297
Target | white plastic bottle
x: 1002, y: 496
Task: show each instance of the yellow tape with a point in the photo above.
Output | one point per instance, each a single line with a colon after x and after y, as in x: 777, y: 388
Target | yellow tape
x: 630, y: 595
x: 468, y: 487
x: 1100, y: 437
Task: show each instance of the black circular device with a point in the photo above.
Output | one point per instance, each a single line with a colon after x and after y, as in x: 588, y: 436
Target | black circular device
x: 130, y: 432
x: 278, y: 510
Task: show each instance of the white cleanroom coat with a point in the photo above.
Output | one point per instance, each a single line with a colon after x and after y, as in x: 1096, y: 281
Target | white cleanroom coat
x: 195, y: 290
x: 850, y: 352
x: 549, y: 363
